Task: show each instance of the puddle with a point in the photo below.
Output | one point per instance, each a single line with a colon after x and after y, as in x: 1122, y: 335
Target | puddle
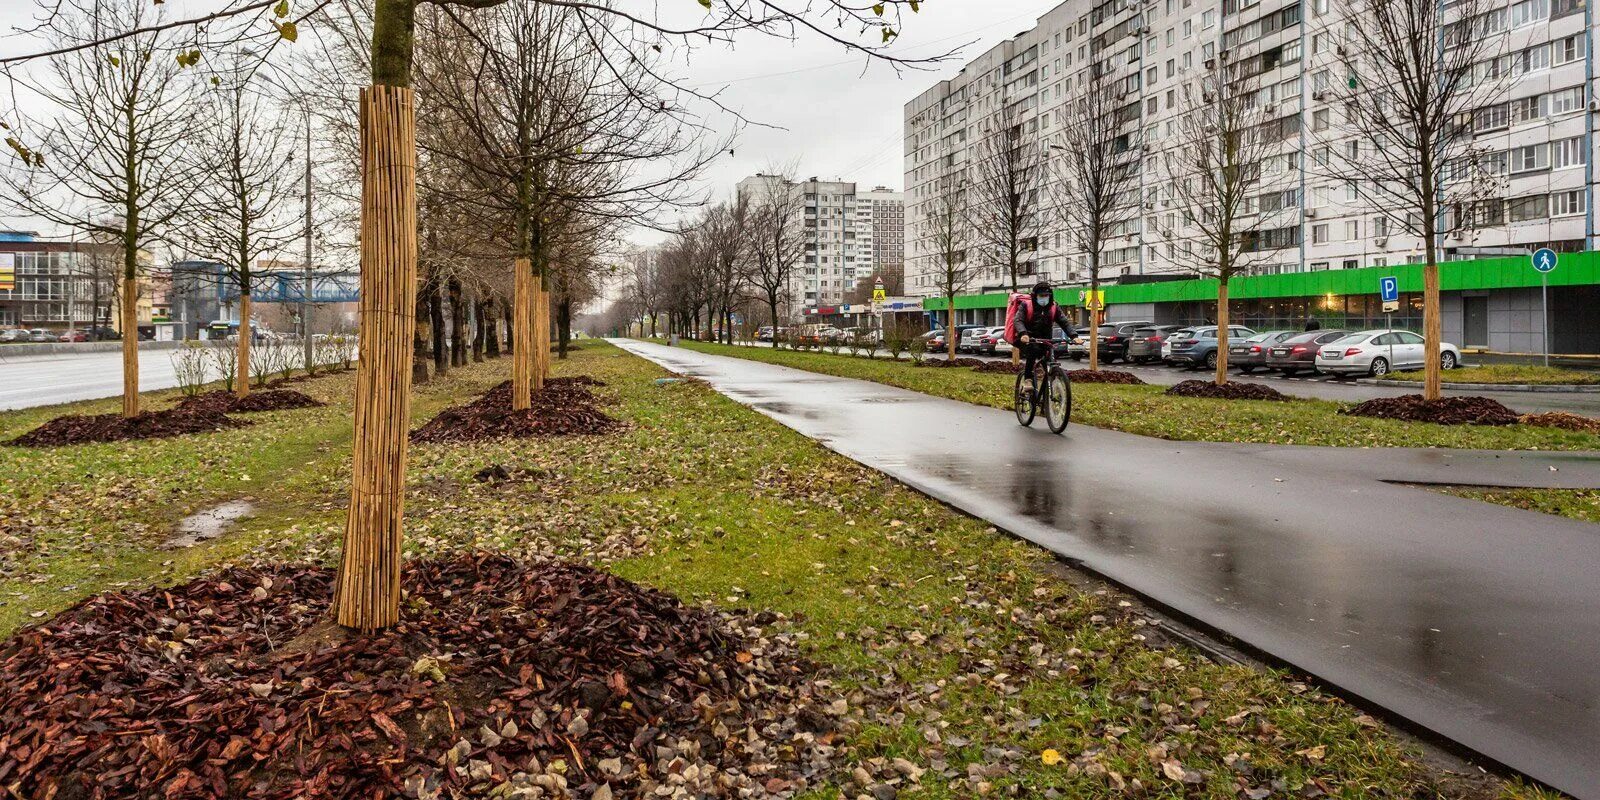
x: 206, y: 525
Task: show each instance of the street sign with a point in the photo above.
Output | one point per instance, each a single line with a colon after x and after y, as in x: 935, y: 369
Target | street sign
x: 1544, y: 259
x: 1093, y: 301
x: 8, y: 271
x: 1389, y: 287
x: 879, y: 294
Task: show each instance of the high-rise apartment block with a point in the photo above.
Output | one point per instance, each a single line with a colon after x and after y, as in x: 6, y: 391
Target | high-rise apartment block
x: 847, y: 235
x: 1532, y: 134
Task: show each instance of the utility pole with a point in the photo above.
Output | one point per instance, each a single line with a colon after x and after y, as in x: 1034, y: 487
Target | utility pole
x: 305, y: 297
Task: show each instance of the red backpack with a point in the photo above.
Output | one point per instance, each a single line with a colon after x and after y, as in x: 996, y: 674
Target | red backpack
x: 1024, y: 302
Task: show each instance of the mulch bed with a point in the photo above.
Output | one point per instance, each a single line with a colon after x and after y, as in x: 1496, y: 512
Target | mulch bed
x: 564, y: 407
x: 1105, y: 376
x: 1559, y: 419
x: 946, y: 363
x: 1444, y: 411
x: 1005, y: 367
x: 1227, y: 391
x: 225, y: 402
x: 77, y: 429
x: 503, y: 676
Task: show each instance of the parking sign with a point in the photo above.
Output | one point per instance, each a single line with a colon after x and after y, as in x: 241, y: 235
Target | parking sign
x: 1389, y: 287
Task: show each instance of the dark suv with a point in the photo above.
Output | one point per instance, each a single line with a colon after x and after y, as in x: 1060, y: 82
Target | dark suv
x: 1114, y: 338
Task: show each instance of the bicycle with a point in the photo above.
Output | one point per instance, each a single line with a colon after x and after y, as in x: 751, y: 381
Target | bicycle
x: 1056, y: 397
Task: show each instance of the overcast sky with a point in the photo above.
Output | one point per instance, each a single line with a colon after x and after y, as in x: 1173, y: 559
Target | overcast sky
x: 833, y: 114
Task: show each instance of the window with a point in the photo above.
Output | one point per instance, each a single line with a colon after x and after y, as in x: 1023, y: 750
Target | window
x: 1319, y: 120
x: 1380, y: 226
x: 1352, y: 230
x: 1568, y: 50
x: 1527, y: 209
x: 1566, y: 100
x: 1567, y: 153
x: 1319, y: 235
x: 1490, y: 118
x: 1529, y: 109
x: 1529, y: 158
x: 1532, y: 59
x: 1568, y: 203
x: 1528, y: 12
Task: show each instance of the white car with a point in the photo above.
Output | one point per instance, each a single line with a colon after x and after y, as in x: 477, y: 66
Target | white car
x: 1378, y: 353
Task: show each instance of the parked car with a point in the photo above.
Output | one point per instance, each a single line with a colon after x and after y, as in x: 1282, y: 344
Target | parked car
x: 1251, y: 354
x: 1114, y: 338
x: 1298, y: 353
x: 1377, y: 353
x: 73, y: 336
x: 1144, y: 344
x: 103, y: 334
x: 1076, y: 346
x: 764, y: 334
x: 1198, y: 348
x: 15, y: 335
x: 937, y: 344
x: 41, y: 335
x: 979, y: 340
x: 1166, y: 346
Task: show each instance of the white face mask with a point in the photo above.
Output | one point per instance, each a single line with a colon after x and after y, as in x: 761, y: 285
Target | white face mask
x: 1041, y: 299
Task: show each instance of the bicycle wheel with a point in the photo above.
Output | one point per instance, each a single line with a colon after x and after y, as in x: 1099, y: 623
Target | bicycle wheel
x: 1058, y: 400
x: 1022, y: 400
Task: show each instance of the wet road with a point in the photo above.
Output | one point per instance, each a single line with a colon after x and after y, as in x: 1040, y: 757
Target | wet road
x: 1476, y: 621
x: 28, y: 381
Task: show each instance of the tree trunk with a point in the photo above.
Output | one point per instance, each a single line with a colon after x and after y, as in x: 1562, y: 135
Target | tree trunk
x: 1094, y: 314
x: 506, y: 316
x: 541, y: 334
x: 130, y: 343
x: 478, y: 331
x: 491, y: 330
x: 522, y: 349
x: 1222, y: 331
x: 241, y: 387
x: 563, y: 326
x: 441, y: 356
x: 950, y: 327
x: 458, y: 325
x: 368, y: 593
x: 419, y: 340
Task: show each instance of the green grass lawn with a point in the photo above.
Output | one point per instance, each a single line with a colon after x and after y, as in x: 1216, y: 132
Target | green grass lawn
x: 1510, y: 374
x: 1148, y: 411
x: 966, y: 652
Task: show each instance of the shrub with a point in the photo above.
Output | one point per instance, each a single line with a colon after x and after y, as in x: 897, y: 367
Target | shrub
x: 225, y: 355
x: 190, y: 364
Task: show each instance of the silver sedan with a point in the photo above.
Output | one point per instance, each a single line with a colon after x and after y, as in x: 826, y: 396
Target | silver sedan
x: 1377, y: 353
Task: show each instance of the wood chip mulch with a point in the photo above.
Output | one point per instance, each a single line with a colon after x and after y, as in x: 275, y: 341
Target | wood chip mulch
x: 1563, y: 420
x: 1444, y: 411
x: 564, y: 407
x: 504, y: 679
x: 1110, y: 376
x: 1227, y: 391
x: 76, y: 429
x: 226, y: 402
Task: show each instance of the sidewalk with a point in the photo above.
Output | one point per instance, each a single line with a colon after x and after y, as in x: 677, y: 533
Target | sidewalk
x: 1473, y: 620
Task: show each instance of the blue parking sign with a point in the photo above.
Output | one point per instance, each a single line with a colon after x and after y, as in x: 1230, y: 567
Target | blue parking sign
x: 1544, y: 259
x: 1389, y: 287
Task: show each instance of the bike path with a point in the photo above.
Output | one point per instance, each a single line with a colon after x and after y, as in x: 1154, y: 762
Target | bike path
x: 1476, y: 621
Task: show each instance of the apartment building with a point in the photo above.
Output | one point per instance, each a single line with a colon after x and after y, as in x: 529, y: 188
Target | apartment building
x: 63, y: 284
x: 847, y: 235
x: 1532, y: 132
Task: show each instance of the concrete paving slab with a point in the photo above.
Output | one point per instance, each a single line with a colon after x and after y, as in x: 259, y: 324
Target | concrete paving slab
x: 1478, y: 622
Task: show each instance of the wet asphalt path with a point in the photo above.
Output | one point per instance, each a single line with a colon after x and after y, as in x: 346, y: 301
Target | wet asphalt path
x: 1476, y: 621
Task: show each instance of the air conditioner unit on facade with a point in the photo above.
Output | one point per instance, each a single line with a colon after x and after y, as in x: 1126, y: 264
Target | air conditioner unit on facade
x: 1381, y: 241
x: 1594, y: 105
x: 1319, y: 95
x: 1311, y: 213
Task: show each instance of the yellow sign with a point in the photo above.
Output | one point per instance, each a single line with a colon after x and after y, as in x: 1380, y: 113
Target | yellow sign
x: 879, y: 295
x: 1094, y: 301
x: 8, y: 272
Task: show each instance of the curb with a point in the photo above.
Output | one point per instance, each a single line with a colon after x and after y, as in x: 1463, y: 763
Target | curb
x: 1487, y: 387
x: 68, y: 348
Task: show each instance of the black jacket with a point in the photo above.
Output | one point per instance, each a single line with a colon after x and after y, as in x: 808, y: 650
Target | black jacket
x: 1039, y: 324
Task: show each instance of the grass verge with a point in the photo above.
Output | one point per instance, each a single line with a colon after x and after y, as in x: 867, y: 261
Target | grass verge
x: 1510, y: 374
x: 963, y: 651
x: 1148, y: 411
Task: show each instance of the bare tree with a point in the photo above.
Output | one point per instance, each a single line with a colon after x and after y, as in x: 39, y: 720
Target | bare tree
x: 112, y: 161
x: 777, y: 240
x: 726, y: 240
x: 1096, y: 168
x: 1414, y: 77
x: 1006, y: 178
x: 1213, y: 169
x: 950, y: 242
x: 237, y: 213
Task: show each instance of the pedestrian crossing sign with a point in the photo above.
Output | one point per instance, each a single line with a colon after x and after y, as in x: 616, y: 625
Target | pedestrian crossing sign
x: 1093, y: 301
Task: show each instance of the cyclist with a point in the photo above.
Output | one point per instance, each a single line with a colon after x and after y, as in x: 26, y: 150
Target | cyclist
x: 1034, y: 321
